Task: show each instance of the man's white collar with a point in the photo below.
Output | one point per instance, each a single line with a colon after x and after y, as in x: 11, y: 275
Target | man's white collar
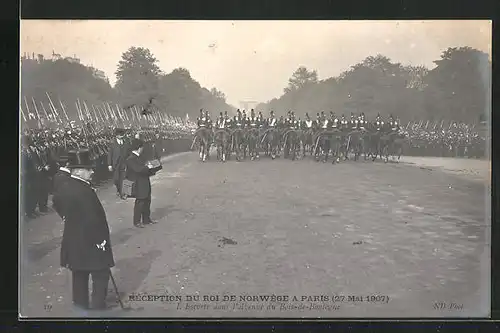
x: 135, y: 153
x: 65, y: 169
x: 80, y: 179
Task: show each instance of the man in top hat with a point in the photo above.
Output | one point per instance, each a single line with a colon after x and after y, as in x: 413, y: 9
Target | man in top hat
x: 117, y: 154
x: 61, y: 176
x: 86, y: 247
x: 139, y: 172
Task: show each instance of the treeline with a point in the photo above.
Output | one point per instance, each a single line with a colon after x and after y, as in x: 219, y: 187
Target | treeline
x: 458, y: 89
x: 140, y: 83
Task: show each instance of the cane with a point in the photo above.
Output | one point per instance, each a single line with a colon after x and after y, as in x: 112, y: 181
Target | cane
x: 116, y: 290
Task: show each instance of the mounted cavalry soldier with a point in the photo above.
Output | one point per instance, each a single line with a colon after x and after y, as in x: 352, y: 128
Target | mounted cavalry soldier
x: 227, y: 120
x: 221, y: 122
x: 308, y: 124
x: 344, y: 124
x: 362, y: 122
x: 238, y: 120
x: 260, y: 119
x: 379, y: 123
x: 334, y: 122
x: 393, y: 124
x: 86, y: 247
x: 272, y: 121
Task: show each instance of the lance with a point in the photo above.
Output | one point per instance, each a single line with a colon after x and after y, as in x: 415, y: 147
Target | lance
x: 442, y: 122
x: 53, y: 108
x: 120, y: 115
x: 22, y: 113
x: 426, y: 124
x: 45, y: 111
x: 88, y: 112
x: 132, y: 114
x: 64, y: 111
x: 37, y: 113
x: 80, y: 116
x: 97, y: 115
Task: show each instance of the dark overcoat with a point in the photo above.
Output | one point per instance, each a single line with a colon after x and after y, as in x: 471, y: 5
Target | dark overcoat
x: 85, y: 228
x: 60, y: 178
x: 117, y: 156
x: 139, y: 173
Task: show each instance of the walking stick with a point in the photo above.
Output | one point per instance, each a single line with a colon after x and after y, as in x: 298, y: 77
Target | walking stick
x: 116, y: 290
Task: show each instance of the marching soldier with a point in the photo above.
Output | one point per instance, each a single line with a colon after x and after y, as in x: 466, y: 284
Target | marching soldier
x: 308, y: 123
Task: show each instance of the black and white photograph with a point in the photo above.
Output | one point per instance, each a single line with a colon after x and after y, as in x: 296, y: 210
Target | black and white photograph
x: 255, y: 169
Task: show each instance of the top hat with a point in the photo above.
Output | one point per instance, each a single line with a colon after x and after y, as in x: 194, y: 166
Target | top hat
x: 80, y: 159
x: 119, y: 131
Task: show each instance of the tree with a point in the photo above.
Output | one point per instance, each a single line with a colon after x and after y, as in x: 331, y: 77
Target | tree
x: 300, y: 78
x: 138, y: 77
x: 218, y: 94
x: 458, y: 87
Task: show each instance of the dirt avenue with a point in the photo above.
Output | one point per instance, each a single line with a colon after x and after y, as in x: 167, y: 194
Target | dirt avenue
x: 402, y: 237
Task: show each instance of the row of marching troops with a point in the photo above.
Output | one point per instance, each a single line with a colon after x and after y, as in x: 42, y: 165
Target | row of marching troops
x: 43, y: 151
x: 324, y: 134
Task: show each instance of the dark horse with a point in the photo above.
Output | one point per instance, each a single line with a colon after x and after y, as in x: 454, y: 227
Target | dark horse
x: 306, y: 138
x: 252, y: 139
x: 291, y: 141
x: 326, y: 141
x: 270, y: 141
x: 237, y: 142
x: 202, y: 137
x: 222, y: 139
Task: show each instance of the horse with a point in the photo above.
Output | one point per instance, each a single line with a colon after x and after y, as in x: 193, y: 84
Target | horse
x: 306, y: 138
x: 270, y: 141
x: 291, y: 140
x: 222, y: 143
x: 202, y: 136
x: 354, y: 143
x: 252, y: 139
x: 236, y: 142
x: 325, y: 140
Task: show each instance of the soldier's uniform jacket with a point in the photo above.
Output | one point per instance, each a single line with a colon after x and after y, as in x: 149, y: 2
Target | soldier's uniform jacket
x: 253, y: 122
x: 228, y: 122
x: 325, y: 123
x: 308, y: 124
x: 344, y: 124
x: 394, y: 125
x: 86, y: 243
x: 272, y: 122
x: 221, y: 123
x: 334, y: 123
x: 238, y: 122
x: 361, y: 123
x: 379, y: 124
x: 353, y: 123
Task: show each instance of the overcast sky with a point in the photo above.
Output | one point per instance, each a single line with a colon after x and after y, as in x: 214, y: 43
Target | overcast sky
x: 252, y: 60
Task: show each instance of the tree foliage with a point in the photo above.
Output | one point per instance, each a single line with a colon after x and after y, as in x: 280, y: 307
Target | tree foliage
x: 456, y: 89
x: 64, y: 81
x: 139, y: 82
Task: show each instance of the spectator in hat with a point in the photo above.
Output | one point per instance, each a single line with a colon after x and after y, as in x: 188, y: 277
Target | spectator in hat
x: 86, y: 247
x: 138, y: 171
x: 117, y: 154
